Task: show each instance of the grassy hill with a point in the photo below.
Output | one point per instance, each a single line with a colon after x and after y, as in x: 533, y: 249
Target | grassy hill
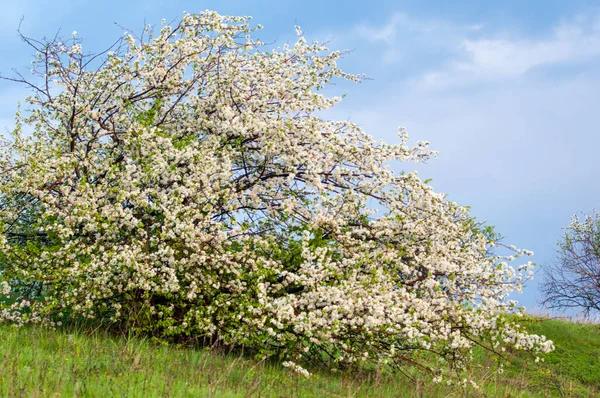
x: 39, y: 362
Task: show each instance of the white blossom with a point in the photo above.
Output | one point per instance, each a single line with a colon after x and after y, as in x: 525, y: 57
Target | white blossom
x: 188, y: 186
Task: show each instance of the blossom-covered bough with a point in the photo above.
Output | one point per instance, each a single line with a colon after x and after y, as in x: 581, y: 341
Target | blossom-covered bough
x: 182, y: 183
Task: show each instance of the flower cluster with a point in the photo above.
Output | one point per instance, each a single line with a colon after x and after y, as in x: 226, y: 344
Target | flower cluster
x: 183, y: 183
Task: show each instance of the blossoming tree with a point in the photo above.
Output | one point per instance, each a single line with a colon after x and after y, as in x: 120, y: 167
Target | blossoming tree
x: 182, y: 183
x: 573, y: 281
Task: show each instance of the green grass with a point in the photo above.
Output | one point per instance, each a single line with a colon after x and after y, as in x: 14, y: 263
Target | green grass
x: 40, y: 362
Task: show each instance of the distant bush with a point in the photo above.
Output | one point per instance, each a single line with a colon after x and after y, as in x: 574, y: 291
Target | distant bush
x: 573, y: 281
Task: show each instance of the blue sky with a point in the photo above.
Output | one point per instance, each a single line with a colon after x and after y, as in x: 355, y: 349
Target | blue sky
x: 508, y: 92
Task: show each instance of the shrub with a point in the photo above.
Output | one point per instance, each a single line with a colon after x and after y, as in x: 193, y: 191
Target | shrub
x: 573, y: 281
x: 183, y: 183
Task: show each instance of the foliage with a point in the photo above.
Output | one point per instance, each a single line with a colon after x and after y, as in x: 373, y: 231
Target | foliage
x: 183, y: 184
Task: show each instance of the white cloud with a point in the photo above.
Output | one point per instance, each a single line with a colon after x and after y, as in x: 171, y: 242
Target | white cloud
x: 485, y: 58
x: 403, y: 34
x: 468, y: 53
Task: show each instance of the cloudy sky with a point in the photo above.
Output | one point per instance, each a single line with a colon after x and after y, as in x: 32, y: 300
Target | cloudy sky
x: 507, y: 92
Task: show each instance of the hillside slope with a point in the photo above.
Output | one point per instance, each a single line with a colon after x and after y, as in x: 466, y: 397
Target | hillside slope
x: 39, y: 362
